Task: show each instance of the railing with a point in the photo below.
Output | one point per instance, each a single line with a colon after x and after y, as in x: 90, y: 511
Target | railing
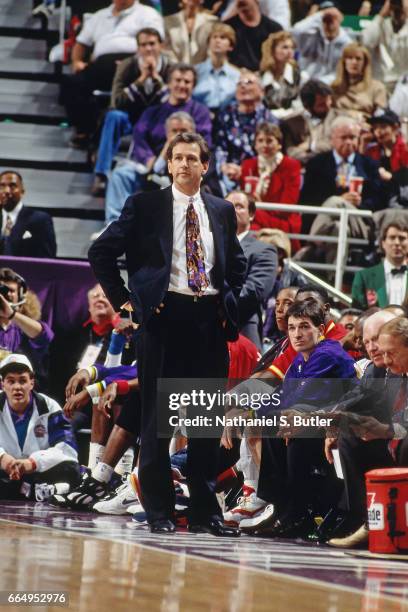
x: 341, y: 239
x: 62, y: 21
x: 339, y: 295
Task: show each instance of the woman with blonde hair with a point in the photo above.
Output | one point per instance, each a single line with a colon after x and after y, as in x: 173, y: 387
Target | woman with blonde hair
x: 355, y: 91
x: 281, y: 75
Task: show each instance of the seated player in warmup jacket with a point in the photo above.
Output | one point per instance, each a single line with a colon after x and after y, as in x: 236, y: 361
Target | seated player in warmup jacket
x: 37, y: 447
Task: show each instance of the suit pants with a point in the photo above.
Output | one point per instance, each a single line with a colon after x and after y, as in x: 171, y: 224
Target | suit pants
x: 186, y: 340
x: 358, y: 457
x: 286, y: 476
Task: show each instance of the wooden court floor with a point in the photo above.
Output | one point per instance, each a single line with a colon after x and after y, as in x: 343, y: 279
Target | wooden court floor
x: 104, y: 574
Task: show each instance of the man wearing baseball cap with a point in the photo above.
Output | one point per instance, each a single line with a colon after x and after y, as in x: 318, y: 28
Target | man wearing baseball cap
x: 37, y: 448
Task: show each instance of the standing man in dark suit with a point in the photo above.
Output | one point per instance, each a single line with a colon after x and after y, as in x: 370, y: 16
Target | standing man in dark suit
x: 186, y: 270
x: 262, y: 268
x: 385, y: 283
x: 24, y: 232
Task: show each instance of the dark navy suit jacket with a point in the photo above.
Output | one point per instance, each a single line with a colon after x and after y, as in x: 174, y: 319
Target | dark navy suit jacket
x: 144, y: 233
x: 32, y: 235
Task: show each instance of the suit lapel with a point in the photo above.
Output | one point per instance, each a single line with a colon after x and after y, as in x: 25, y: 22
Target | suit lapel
x: 164, y: 223
x: 217, y: 229
x: 380, y: 285
x: 20, y: 224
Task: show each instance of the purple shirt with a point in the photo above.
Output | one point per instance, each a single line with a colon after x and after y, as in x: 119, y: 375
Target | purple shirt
x: 12, y: 337
x: 149, y: 134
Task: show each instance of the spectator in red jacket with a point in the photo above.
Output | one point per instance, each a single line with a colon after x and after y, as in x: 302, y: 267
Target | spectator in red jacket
x: 388, y: 146
x: 272, y: 177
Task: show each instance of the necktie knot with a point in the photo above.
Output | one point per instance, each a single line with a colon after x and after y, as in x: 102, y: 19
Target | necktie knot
x: 401, y: 270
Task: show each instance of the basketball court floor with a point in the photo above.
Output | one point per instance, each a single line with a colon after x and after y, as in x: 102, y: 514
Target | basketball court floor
x: 109, y: 563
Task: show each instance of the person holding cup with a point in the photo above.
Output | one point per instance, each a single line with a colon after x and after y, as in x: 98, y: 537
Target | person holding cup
x: 274, y: 177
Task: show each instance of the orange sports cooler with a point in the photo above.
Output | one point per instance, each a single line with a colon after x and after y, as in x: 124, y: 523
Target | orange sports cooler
x: 387, y: 508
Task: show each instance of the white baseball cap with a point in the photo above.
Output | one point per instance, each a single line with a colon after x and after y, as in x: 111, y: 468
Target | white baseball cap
x: 8, y: 362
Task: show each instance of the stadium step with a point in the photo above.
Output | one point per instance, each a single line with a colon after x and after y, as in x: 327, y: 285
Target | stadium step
x: 24, y: 52
x: 15, y: 47
x: 41, y: 147
x: 34, y: 102
x: 34, y: 134
x: 73, y: 237
x: 55, y: 182
x: 74, y: 206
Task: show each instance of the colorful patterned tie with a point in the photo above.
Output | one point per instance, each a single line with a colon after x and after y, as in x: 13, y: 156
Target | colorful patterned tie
x: 197, y: 278
x: 8, y: 226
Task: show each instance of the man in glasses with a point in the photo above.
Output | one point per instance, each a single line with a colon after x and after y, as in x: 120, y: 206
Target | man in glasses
x: 235, y: 129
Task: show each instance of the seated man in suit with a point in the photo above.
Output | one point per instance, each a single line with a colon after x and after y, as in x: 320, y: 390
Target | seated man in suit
x: 373, y: 399
x: 25, y: 232
x: 262, y: 267
x: 385, y: 283
x: 342, y: 178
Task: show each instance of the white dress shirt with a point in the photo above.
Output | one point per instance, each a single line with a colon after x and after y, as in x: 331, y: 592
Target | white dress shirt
x: 242, y: 235
x: 13, y: 214
x: 109, y: 33
x: 395, y: 284
x: 178, y: 274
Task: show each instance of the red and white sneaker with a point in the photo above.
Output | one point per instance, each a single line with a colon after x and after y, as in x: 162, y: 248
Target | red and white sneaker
x: 248, y: 506
x: 264, y: 518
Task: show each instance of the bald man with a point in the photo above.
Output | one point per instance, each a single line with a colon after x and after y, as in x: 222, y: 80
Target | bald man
x: 367, y: 446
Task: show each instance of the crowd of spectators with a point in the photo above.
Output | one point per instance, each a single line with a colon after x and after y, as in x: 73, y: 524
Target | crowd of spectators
x: 309, y: 113
x: 231, y: 66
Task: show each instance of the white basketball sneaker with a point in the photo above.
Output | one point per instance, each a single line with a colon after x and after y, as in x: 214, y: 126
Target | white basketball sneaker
x: 123, y: 498
x: 248, y: 506
x: 44, y: 491
x: 263, y: 518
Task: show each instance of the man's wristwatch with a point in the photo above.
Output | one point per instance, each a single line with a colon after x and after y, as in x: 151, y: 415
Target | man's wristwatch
x: 13, y: 314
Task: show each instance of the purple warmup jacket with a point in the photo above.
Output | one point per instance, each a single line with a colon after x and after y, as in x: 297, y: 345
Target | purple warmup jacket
x: 149, y: 134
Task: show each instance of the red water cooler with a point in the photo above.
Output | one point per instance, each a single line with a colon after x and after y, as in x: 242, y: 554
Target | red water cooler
x: 387, y: 507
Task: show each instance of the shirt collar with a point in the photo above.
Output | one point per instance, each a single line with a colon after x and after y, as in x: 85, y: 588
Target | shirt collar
x: 340, y: 160
x: 181, y: 197
x: 388, y: 266
x: 242, y: 235
x: 288, y: 73
x: 124, y: 13
x: 213, y: 70
x: 25, y: 415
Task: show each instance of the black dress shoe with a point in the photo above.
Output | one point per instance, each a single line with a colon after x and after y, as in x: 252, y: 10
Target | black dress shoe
x: 162, y: 526
x: 335, y: 525
x: 288, y: 528
x: 215, y: 527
